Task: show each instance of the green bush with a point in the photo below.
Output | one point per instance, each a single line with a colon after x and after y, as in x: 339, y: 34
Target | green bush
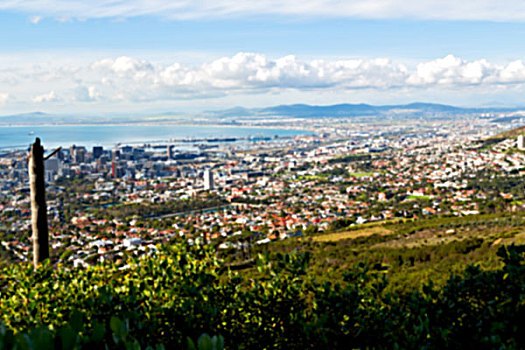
x: 171, y: 299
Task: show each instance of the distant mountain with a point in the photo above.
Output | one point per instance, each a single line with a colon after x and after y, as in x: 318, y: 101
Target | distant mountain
x: 236, y: 111
x: 25, y: 118
x: 428, y: 107
x: 228, y: 116
x: 348, y: 110
x: 353, y: 110
x: 40, y: 118
x: 307, y: 111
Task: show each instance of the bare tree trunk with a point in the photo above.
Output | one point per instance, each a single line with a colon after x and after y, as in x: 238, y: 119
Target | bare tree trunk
x: 38, y: 204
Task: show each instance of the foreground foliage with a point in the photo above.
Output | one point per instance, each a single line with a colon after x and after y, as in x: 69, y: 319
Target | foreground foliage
x: 185, y: 291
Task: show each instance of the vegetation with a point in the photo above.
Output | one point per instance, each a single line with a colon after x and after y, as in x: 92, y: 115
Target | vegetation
x: 510, y: 133
x: 185, y: 291
x: 414, y: 250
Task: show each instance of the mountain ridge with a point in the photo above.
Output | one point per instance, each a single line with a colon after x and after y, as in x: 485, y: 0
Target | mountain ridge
x: 298, y: 110
x: 359, y: 109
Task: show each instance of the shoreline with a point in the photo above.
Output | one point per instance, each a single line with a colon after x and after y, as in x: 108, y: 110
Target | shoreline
x: 152, y: 139
x: 284, y: 127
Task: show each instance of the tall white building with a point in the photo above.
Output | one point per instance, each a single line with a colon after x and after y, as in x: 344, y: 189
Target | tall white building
x: 208, y: 179
x: 521, y: 143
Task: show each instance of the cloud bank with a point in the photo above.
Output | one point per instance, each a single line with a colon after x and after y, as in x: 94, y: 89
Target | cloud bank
x: 130, y: 79
x: 491, y: 10
x: 49, y: 97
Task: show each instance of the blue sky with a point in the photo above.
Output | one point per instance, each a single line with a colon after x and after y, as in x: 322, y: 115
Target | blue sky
x: 417, y: 39
x: 64, y: 56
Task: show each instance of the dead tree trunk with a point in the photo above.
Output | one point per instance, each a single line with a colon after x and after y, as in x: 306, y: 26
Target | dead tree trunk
x: 38, y: 204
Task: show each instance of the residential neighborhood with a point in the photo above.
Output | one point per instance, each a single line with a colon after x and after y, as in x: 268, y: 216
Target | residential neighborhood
x: 105, y: 204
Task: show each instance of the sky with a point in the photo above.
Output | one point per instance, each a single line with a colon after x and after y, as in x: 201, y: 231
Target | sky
x: 143, y: 56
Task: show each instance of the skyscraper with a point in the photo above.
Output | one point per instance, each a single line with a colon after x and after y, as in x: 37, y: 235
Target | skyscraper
x: 208, y: 179
x: 97, y: 151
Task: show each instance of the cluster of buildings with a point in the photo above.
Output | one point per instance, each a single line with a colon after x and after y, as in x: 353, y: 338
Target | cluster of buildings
x: 237, y: 194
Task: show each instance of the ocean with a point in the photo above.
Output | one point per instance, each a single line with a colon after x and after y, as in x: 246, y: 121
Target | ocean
x: 53, y: 136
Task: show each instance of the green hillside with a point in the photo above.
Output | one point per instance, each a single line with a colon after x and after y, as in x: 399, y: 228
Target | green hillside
x: 411, y: 253
x: 364, y: 292
x: 509, y: 134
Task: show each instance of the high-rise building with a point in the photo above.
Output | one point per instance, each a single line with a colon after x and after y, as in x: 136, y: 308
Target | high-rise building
x: 521, y: 142
x: 60, y: 155
x: 97, y: 151
x: 51, y: 168
x: 80, y: 155
x: 208, y: 179
x: 52, y: 164
x: 114, y: 157
x: 72, y: 153
x: 169, y: 151
x: 77, y: 154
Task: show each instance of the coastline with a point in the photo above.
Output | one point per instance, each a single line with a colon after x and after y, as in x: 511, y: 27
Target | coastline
x: 18, y: 136
x: 277, y: 127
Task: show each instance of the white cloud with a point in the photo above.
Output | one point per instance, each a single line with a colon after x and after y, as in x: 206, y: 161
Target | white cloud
x: 3, y: 98
x: 87, y: 94
x: 453, y: 70
x: 124, y: 66
x: 49, y: 97
x: 492, y: 10
x: 139, y: 79
x: 35, y: 19
x: 134, y: 80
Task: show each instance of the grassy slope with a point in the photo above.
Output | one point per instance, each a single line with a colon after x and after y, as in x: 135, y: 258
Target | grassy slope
x: 509, y: 134
x: 411, y: 252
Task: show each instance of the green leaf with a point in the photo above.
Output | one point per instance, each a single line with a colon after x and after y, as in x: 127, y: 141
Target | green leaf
x: 205, y: 342
x: 218, y: 342
x: 115, y: 324
x: 68, y: 337
x: 41, y: 337
x: 76, y: 321
x: 98, y: 332
x: 133, y: 346
x: 23, y: 342
x: 191, y: 344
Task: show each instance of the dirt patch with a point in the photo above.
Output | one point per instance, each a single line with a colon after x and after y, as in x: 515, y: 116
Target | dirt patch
x: 369, y: 231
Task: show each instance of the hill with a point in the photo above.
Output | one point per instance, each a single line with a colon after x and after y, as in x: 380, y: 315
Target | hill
x: 183, y: 291
x: 23, y: 118
x: 506, y: 135
x: 417, y: 109
x: 509, y: 134
x: 345, y: 110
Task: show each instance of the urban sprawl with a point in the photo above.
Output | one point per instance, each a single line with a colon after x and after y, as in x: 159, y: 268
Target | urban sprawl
x: 105, y: 204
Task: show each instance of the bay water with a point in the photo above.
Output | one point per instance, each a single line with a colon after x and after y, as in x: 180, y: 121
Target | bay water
x: 19, y: 137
